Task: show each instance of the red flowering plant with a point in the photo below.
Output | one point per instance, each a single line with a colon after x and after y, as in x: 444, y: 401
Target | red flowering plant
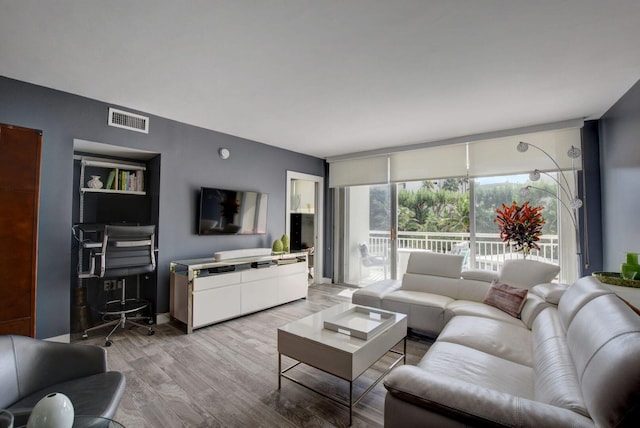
x: 521, y: 226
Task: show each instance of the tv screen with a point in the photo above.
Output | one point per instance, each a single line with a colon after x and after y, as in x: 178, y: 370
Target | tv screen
x: 232, y: 212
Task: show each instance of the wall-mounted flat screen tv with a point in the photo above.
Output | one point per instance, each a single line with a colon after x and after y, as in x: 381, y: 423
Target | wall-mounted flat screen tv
x: 232, y: 212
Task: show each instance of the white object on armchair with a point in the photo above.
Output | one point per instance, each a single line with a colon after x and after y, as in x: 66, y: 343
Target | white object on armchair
x: 53, y: 411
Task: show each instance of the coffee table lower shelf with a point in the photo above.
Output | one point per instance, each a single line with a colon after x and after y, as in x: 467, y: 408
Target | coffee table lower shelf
x: 402, y: 356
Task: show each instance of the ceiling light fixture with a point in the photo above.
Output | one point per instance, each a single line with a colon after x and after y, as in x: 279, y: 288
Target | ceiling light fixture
x: 224, y: 153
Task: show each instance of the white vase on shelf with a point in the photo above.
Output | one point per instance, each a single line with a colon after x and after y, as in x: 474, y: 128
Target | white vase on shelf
x: 95, y: 182
x: 53, y: 411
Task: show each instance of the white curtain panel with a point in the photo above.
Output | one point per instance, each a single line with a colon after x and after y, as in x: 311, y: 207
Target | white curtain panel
x: 429, y: 164
x: 359, y: 171
x: 499, y: 156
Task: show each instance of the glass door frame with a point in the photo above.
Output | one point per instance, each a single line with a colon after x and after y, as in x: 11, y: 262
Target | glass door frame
x: 318, y: 266
x: 341, y: 215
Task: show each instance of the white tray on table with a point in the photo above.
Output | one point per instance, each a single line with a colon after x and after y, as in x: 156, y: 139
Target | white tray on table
x: 360, y: 322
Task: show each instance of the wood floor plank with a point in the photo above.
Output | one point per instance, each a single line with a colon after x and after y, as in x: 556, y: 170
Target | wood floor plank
x: 226, y: 375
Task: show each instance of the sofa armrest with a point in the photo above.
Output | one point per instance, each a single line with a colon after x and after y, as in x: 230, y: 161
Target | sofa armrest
x: 372, y: 294
x: 40, y: 363
x: 550, y: 292
x: 472, y: 404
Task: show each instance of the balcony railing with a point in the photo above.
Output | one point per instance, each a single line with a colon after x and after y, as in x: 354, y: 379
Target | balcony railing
x: 488, y: 251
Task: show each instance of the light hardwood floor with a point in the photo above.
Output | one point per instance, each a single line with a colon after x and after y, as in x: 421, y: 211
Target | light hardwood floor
x: 226, y: 375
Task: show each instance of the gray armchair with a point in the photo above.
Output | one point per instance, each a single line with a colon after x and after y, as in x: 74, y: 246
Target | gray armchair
x: 32, y: 368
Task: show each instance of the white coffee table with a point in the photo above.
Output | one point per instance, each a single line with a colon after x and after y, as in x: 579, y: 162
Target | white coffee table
x: 307, y: 341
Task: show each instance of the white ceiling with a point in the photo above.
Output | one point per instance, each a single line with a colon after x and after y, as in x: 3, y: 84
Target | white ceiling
x: 329, y: 77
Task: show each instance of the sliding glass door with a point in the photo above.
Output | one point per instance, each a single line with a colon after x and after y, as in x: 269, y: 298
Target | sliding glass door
x: 366, y: 234
x: 382, y: 224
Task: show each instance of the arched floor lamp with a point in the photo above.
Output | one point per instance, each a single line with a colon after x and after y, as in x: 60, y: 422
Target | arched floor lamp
x: 575, y: 203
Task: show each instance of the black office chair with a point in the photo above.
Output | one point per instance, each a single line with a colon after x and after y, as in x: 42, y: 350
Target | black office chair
x: 125, y: 251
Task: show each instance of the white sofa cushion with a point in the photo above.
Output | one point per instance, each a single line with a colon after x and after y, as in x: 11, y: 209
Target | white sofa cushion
x: 604, y: 341
x: 556, y: 380
x: 479, y: 368
x: 430, y: 284
x: 550, y: 292
x: 418, y: 398
x: 533, y: 305
x: 435, y: 264
x: 501, y: 339
x: 527, y: 273
x: 467, y: 307
x: 425, y: 311
x: 372, y: 294
x: 579, y: 294
x: 455, y: 288
x: 480, y: 275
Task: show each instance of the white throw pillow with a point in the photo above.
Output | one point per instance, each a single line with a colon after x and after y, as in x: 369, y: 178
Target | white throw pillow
x: 527, y: 273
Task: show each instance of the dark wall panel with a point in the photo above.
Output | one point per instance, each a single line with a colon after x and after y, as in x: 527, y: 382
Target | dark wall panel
x: 591, y: 218
x: 620, y: 163
x: 188, y: 161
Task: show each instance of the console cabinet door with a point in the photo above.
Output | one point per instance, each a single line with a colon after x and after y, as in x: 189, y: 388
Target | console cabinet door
x: 216, y: 304
x: 293, y: 284
x: 258, y: 295
x: 19, y: 192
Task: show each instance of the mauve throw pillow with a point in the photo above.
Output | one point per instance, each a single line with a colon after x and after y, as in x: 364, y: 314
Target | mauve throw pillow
x: 506, y: 298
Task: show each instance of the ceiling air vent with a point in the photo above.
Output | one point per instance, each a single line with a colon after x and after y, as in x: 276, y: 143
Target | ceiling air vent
x: 130, y: 121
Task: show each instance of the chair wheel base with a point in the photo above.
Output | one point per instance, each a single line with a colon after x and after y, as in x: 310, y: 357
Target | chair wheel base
x: 151, y: 332
x: 107, y: 343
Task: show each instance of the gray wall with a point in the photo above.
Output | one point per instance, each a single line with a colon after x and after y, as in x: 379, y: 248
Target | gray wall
x: 620, y: 163
x: 188, y: 160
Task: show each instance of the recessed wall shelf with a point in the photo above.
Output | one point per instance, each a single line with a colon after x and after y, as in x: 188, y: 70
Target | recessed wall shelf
x: 122, y: 192
x: 115, y: 177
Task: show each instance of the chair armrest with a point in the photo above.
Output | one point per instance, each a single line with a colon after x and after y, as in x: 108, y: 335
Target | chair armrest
x: 41, y: 363
x: 472, y: 404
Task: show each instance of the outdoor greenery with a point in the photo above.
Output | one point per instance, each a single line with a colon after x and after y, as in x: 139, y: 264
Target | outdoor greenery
x: 444, y: 207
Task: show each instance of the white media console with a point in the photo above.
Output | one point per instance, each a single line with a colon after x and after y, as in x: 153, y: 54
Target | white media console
x: 206, y: 291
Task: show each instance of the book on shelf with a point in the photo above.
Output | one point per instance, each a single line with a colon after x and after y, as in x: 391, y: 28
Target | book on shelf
x: 112, y: 176
x: 123, y: 180
x: 140, y: 181
x: 127, y: 181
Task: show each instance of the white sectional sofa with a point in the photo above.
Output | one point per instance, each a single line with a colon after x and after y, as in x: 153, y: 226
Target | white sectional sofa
x: 435, y: 288
x: 575, y: 364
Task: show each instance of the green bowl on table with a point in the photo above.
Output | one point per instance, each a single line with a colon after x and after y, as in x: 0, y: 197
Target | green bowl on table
x: 614, y: 278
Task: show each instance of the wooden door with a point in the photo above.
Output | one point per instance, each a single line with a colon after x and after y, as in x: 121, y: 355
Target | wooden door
x: 19, y: 191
